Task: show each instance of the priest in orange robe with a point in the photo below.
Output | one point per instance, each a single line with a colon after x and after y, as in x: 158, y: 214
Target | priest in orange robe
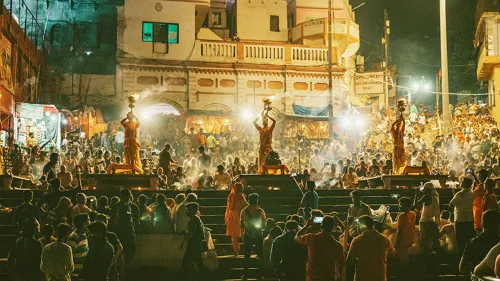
x: 398, y: 151
x: 131, y: 125
x: 266, y: 137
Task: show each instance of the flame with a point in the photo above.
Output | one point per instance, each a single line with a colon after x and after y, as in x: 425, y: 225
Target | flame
x: 269, y: 99
x: 136, y: 96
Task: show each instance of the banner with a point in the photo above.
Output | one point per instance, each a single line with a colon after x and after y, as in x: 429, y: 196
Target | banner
x: 369, y: 83
x: 6, y: 64
x: 31, y: 111
x: 310, y: 111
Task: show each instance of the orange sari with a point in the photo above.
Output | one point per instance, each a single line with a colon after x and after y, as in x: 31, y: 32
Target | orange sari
x: 235, y: 203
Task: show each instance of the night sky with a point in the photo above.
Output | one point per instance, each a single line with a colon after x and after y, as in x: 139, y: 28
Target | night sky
x: 414, y: 41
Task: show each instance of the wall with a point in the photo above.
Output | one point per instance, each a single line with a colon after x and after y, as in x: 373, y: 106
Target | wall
x: 253, y: 20
x: 495, y: 80
x: 182, y: 13
x: 306, y: 10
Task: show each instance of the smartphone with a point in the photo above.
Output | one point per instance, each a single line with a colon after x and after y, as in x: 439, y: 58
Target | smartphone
x: 468, y: 170
x: 317, y: 219
x: 422, y: 188
x: 387, y: 210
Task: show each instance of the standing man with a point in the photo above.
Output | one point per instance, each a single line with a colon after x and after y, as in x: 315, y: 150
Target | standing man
x: 325, y: 254
x: 289, y: 257
x: 101, y: 253
x: 464, y: 215
x: 204, y: 160
x: 316, y: 161
x: 310, y: 200
x: 369, y: 252
x: 24, y: 256
x: 125, y: 217
x: 266, y: 138
x: 50, y: 168
x: 120, y: 140
x: 131, y: 145
x: 429, y: 218
x: 166, y: 159
x: 201, y: 138
x: 358, y: 208
x: 57, y: 257
x: 253, y: 218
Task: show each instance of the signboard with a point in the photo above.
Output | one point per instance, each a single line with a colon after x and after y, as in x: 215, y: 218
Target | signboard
x: 6, y: 64
x: 31, y: 111
x: 369, y: 83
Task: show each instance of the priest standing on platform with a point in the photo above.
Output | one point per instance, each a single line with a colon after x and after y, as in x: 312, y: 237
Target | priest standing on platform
x: 266, y: 137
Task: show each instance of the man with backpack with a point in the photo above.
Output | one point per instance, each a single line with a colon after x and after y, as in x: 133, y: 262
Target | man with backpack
x: 252, y: 220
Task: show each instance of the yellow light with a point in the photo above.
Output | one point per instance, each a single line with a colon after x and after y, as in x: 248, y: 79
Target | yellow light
x: 270, y: 188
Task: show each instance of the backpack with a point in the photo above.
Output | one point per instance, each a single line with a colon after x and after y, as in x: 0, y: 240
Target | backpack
x: 253, y: 225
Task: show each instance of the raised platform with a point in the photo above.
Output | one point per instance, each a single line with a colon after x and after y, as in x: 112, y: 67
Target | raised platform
x: 117, y: 181
x: 410, y: 181
x: 268, y: 182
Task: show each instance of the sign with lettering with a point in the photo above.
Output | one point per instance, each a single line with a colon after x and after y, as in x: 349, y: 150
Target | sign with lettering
x: 369, y: 83
x: 31, y: 111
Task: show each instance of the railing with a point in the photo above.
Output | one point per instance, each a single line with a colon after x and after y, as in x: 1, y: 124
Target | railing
x: 302, y: 54
x: 28, y: 23
x: 217, y: 49
x: 264, y: 53
x: 485, y: 6
x: 241, y: 52
x: 317, y: 29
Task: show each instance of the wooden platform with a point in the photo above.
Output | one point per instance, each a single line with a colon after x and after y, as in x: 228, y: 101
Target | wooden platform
x: 115, y: 181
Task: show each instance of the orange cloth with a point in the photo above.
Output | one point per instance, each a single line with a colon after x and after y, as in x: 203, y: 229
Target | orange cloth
x: 478, y: 206
x: 235, y: 203
x: 266, y: 141
x: 201, y: 139
x: 131, y: 146
x: 406, y: 227
x: 325, y: 256
x: 398, y: 151
x: 370, y: 250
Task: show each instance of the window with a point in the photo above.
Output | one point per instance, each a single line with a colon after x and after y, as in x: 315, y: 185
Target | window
x: 216, y: 18
x: 275, y: 23
x: 160, y: 32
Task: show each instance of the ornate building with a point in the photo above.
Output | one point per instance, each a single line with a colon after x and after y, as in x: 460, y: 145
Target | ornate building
x: 226, y: 55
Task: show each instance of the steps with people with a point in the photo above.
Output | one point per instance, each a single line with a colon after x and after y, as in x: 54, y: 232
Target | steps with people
x: 278, y: 204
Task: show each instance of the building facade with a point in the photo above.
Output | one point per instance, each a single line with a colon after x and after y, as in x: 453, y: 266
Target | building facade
x: 20, y: 66
x: 487, y: 42
x: 227, y: 55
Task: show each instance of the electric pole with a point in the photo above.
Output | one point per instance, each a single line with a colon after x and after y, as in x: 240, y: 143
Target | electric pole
x: 385, y: 41
x: 444, y: 67
x: 330, y: 78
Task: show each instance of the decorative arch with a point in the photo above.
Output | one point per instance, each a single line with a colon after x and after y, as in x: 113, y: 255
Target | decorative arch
x: 217, y: 107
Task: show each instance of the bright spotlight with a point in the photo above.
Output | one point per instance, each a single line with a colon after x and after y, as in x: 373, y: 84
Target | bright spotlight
x: 345, y: 122
x: 360, y: 122
x: 427, y: 86
x: 246, y: 115
x: 145, y: 115
x: 415, y: 86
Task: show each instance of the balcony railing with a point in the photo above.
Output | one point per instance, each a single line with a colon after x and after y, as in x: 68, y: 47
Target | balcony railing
x: 241, y: 52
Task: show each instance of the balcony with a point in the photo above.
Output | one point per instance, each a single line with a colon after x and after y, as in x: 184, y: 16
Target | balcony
x: 261, y: 53
x: 318, y: 29
x: 489, y: 57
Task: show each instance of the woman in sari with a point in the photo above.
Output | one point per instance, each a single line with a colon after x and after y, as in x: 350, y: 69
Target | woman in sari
x: 236, y: 202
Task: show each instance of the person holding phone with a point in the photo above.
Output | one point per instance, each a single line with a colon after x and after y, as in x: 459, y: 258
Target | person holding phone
x: 325, y: 254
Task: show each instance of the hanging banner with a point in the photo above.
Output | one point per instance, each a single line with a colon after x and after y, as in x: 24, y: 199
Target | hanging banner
x: 6, y: 64
x: 369, y: 83
x: 31, y: 111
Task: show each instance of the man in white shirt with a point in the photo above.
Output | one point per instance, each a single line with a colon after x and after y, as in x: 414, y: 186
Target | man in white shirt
x: 464, y: 215
x: 120, y: 140
x: 316, y: 161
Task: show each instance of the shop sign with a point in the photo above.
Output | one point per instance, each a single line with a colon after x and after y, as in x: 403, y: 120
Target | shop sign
x: 31, y: 111
x: 369, y: 83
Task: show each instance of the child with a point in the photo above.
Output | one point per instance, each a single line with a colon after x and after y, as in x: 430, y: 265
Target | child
x: 47, y: 235
x: 406, y: 229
